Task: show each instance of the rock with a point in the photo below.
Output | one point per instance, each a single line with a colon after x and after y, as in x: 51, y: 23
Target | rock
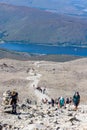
x: 35, y: 127
x: 19, y: 117
x: 31, y: 115
x: 70, y: 114
x: 57, y: 128
x: 74, y: 119
x: 31, y: 122
x: 56, y: 122
x: 0, y: 127
x: 28, y: 101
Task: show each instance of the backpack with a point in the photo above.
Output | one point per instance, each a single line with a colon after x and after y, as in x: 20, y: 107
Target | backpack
x: 61, y: 101
x: 14, y: 97
x: 76, y: 98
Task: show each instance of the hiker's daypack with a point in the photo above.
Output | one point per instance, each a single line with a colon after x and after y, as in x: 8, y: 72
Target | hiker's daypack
x: 8, y: 97
x: 76, y: 98
x: 61, y: 101
x: 14, y: 97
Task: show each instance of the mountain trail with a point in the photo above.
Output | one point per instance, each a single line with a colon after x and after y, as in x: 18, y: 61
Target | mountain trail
x: 34, y: 76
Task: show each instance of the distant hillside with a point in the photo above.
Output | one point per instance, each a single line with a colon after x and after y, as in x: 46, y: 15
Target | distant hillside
x: 70, y: 7
x: 37, y: 26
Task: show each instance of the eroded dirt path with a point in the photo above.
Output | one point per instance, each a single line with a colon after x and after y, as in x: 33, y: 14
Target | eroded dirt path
x: 35, y: 76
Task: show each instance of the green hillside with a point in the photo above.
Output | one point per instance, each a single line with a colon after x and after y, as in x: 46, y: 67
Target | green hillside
x: 37, y: 26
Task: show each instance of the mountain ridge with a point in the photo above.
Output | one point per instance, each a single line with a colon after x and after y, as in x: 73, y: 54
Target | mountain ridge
x: 32, y: 25
x: 70, y: 7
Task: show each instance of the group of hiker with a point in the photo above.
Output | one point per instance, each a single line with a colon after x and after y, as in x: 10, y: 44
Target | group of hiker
x: 61, y: 101
x: 42, y: 90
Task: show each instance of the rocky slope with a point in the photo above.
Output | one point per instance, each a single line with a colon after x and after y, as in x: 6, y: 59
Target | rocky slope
x: 58, y: 79
x: 44, y: 117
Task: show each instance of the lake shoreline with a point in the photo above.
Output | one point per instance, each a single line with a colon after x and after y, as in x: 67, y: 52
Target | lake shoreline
x: 4, y: 53
x: 45, y: 44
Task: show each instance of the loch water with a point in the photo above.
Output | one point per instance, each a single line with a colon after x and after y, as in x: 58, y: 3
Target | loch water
x: 45, y: 49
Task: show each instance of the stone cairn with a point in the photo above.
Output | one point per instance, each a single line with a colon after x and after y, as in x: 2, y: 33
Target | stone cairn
x: 6, y: 97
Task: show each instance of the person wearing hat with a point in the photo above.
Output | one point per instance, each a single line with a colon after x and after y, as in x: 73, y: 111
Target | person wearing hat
x: 76, y: 100
x: 14, y: 99
x: 61, y: 102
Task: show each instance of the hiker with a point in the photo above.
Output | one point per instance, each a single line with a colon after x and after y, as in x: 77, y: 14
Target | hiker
x: 13, y: 102
x: 70, y: 100
x: 52, y: 102
x: 76, y: 100
x: 34, y: 86
x: 67, y: 100
x: 44, y: 90
x: 56, y: 101
x: 39, y: 88
x: 61, y: 102
x: 44, y: 101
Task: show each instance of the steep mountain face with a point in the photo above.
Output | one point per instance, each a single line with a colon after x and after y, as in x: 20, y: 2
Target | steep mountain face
x: 70, y: 7
x: 36, y: 26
